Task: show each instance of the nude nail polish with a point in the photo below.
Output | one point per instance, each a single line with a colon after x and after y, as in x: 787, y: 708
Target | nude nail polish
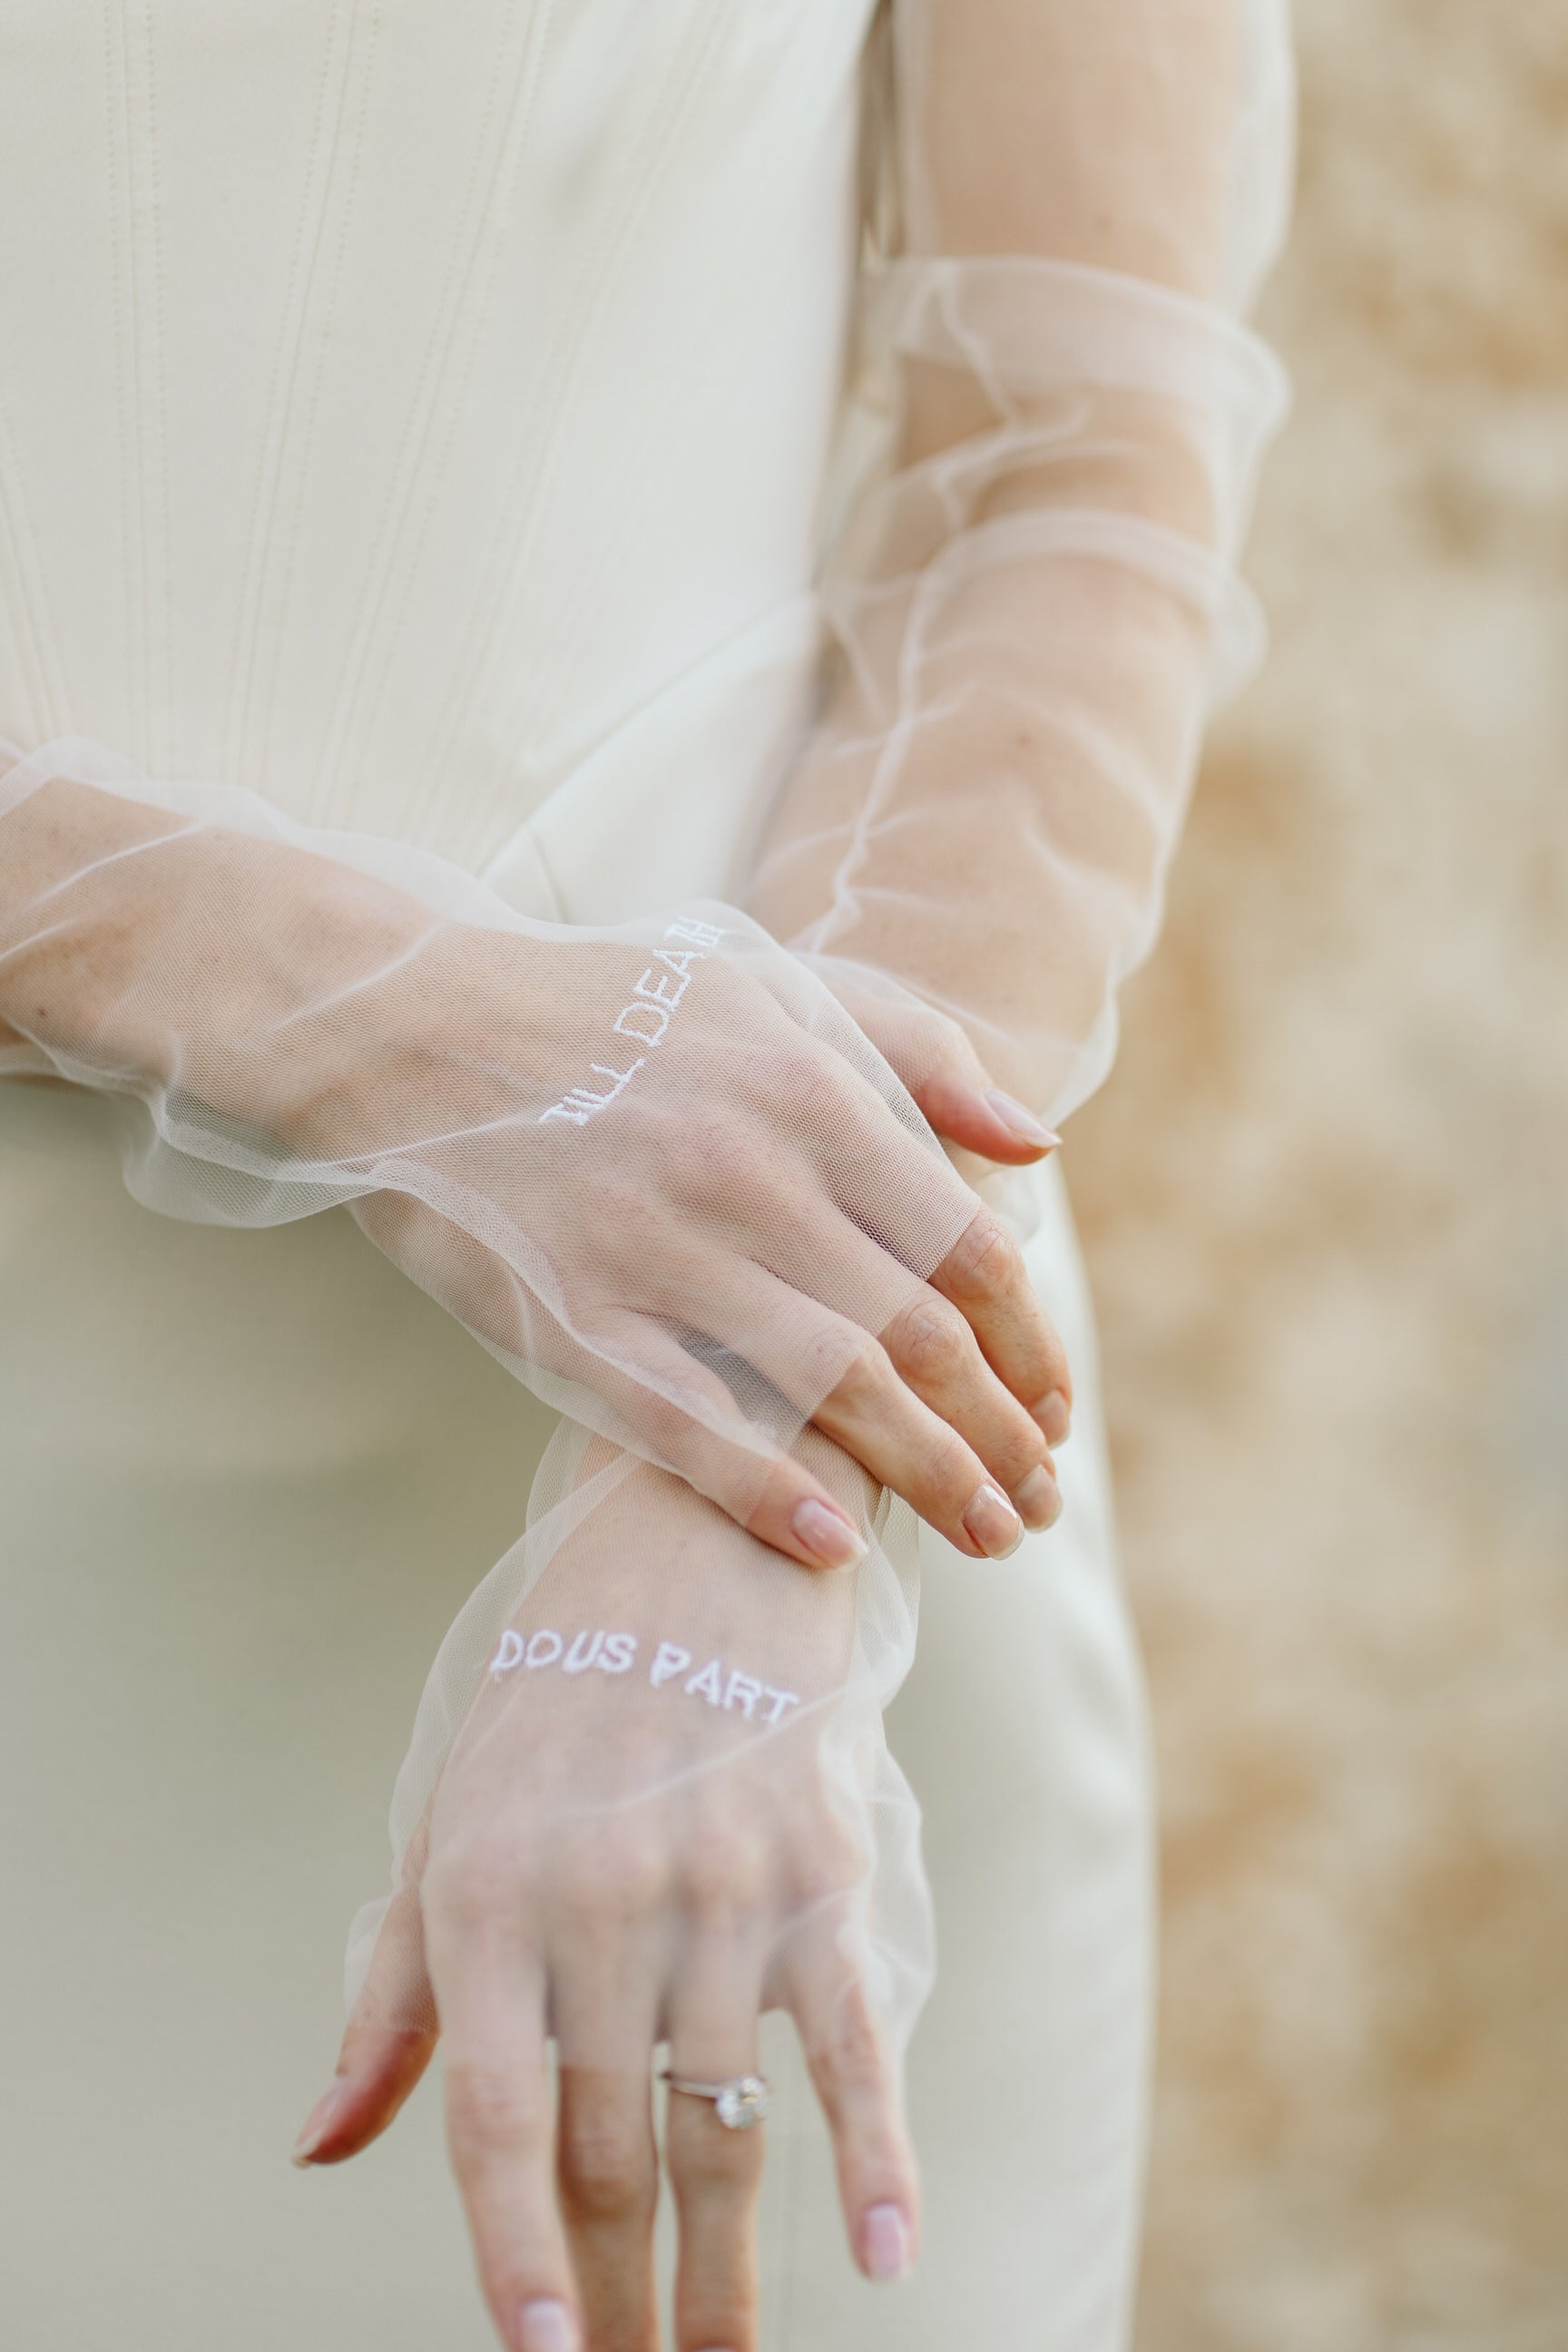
x: 993, y: 1523
x: 1022, y: 1122
x: 826, y: 1536
x: 1054, y: 1417
x: 885, y: 2249
x: 1038, y: 1500
x: 546, y: 2325
x: 316, y: 2126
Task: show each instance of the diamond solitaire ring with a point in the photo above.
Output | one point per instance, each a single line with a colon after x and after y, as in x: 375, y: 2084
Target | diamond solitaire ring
x: 737, y: 2104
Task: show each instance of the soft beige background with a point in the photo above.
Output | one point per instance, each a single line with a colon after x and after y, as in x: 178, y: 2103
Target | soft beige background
x: 1324, y: 1200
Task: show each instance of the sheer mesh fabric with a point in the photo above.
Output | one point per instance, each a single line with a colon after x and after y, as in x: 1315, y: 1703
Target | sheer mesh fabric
x: 659, y: 1170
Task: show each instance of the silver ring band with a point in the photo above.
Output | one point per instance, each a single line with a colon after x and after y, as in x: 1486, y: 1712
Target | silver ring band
x: 739, y: 2104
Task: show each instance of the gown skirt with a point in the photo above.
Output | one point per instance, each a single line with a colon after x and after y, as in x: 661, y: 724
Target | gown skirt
x: 248, y: 1479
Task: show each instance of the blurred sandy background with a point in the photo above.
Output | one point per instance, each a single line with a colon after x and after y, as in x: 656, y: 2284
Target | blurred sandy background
x: 1324, y: 1199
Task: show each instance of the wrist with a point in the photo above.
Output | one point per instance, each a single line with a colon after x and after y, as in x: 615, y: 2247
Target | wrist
x: 159, y: 950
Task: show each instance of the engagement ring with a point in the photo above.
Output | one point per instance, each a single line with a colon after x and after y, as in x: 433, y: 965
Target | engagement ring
x: 737, y: 2104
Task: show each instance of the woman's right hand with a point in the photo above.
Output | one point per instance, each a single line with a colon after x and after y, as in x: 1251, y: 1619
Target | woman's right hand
x: 658, y: 1164
x: 660, y: 1852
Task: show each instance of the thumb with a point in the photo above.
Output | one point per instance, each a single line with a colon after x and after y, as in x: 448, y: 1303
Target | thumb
x: 933, y: 1057
x: 970, y: 1111
x: 390, y: 2041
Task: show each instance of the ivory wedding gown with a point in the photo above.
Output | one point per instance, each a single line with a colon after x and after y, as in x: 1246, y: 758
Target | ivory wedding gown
x: 426, y: 416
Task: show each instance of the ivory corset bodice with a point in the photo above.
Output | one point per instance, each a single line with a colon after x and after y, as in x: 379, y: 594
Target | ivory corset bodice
x: 410, y: 407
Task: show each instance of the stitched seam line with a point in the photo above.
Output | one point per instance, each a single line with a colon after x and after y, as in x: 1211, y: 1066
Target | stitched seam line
x: 325, y: 308
x: 355, y: 709
x: 511, y: 549
x: 121, y: 225
x: 274, y: 444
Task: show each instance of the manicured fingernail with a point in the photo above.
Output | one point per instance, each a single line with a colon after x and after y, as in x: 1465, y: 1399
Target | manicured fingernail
x: 826, y: 1534
x: 1054, y: 1417
x: 993, y: 1523
x: 317, y: 2124
x: 1021, y: 1122
x: 546, y: 2327
x: 1039, y: 1500
x: 885, y: 2247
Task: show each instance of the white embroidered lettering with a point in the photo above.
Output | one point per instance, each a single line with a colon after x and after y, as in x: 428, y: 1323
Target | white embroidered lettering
x: 579, y: 1103
x: 726, y: 1688
x: 630, y: 1016
x: 510, y: 1654
x: 653, y: 1001
x: 708, y: 1684
x: 742, y: 1692
x: 655, y: 985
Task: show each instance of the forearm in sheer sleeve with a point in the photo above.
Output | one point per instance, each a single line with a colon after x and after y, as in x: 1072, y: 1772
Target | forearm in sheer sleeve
x: 1034, y: 600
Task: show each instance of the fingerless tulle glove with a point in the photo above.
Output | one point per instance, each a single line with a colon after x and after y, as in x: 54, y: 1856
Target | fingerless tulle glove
x: 666, y: 1745
x: 656, y: 1169
x: 634, y: 1162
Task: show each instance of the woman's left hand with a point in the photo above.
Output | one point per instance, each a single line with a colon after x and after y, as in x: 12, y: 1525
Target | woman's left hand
x: 660, y: 1850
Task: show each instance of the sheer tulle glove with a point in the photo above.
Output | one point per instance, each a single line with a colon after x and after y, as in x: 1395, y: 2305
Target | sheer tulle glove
x: 933, y: 1058
x: 657, y: 1170
x: 667, y: 1807
x: 1032, y: 588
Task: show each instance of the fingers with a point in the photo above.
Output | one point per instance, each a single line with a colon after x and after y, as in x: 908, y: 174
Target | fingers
x: 500, y: 2117
x: 875, y: 1416
x: 955, y: 1093
x: 607, y: 1943
x: 983, y: 1273
x: 935, y: 1352
x: 773, y: 1496
x: 933, y: 1056
x: 985, y: 1278
x: 608, y: 2175
x: 390, y: 2041
x: 762, y: 1313
x: 377, y: 2071
x: 715, y: 2172
x: 799, y: 1518
x: 939, y: 1410
x: 856, y: 2076
x: 922, y: 1411
x: 982, y: 1117
x: 957, y: 1461
x: 671, y: 1407
x: 687, y: 1421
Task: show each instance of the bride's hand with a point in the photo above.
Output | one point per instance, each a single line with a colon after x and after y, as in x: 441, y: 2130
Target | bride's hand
x: 931, y: 1056
x: 658, y: 1169
x: 613, y: 1859
x: 749, y: 1187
